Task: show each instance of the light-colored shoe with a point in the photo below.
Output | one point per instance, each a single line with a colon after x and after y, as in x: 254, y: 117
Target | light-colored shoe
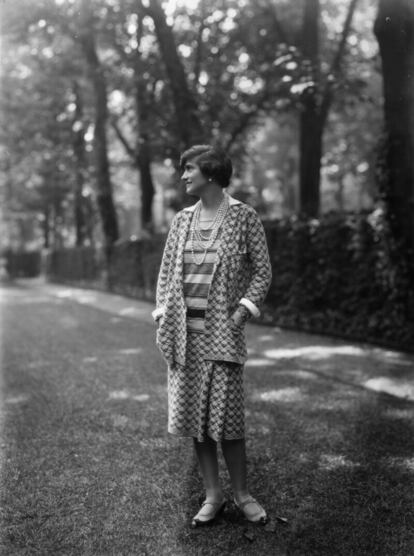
x: 203, y: 517
x: 258, y: 515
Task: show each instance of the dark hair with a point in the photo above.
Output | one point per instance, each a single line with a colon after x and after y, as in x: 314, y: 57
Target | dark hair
x: 213, y: 163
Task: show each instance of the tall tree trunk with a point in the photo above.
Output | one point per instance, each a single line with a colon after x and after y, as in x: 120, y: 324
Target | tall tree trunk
x: 189, y: 126
x: 46, y: 225
x: 104, y: 186
x: 79, y: 151
x: 316, y: 103
x: 142, y: 148
x: 310, y: 142
x: 140, y: 152
x: 394, y: 29
x: 311, y: 137
x: 147, y: 185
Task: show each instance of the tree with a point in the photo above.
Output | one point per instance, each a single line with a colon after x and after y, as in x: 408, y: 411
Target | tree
x: 125, y: 35
x: 158, y: 76
x: 316, y: 100
x: 394, y: 29
x: 96, y: 73
x: 46, y: 38
x: 188, y: 124
x: 79, y: 150
x: 261, y: 64
x: 38, y: 151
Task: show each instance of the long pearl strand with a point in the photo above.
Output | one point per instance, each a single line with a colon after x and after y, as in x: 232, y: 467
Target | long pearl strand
x: 202, y: 242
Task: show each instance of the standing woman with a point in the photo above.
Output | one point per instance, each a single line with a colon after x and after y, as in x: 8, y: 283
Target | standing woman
x: 214, y: 275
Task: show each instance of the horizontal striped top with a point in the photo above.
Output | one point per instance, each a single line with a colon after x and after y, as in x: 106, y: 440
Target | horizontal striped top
x: 197, y: 280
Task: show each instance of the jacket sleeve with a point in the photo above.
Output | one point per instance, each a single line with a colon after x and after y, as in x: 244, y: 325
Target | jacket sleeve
x: 164, y: 272
x: 261, y: 268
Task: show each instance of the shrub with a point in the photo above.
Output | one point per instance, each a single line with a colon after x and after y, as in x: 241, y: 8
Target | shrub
x: 341, y: 274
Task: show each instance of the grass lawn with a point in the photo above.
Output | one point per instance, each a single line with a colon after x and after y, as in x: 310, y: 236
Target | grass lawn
x: 88, y: 468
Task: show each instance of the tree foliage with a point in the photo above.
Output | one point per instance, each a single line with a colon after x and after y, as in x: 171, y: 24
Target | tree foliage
x: 152, y: 77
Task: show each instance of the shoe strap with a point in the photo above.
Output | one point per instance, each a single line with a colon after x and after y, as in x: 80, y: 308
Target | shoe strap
x: 249, y: 500
x: 214, y: 504
x: 261, y: 511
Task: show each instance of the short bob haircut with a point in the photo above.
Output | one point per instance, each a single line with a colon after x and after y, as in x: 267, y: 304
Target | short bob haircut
x: 212, y: 161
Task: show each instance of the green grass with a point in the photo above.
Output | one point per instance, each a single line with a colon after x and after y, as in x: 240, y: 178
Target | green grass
x: 88, y: 468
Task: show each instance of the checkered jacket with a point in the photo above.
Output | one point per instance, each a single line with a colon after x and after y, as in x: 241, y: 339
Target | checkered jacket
x: 241, y: 275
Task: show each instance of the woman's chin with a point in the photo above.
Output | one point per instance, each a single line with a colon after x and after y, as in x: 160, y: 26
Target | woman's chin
x: 191, y: 191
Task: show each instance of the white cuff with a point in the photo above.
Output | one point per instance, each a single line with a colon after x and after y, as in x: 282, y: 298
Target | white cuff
x: 157, y: 313
x: 250, y: 306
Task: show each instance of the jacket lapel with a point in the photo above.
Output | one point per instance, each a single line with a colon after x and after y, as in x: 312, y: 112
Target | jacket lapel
x: 227, y: 232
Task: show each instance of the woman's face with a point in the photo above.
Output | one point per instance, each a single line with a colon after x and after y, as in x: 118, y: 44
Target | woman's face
x: 195, y: 181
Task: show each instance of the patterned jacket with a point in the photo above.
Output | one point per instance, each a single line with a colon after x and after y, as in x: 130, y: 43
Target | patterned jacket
x: 241, y: 275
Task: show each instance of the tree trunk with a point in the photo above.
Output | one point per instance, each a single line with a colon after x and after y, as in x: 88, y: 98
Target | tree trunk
x: 310, y: 126
x: 316, y: 103
x: 394, y: 29
x: 46, y: 225
x: 310, y: 145
x: 79, y: 151
x: 189, y: 126
x: 147, y: 186
x: 142, y: 148
x: 140, y: 152
x: 104, y: 187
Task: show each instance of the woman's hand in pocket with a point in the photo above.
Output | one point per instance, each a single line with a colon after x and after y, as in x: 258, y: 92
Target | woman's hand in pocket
x: 158, y: 321
x: 240, y: 316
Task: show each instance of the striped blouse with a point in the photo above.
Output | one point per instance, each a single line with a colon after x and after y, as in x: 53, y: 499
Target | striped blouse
x: 197, y: 280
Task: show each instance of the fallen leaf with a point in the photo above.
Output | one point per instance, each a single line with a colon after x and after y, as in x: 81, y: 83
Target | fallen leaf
x: 249, y: 535
x: 270, y: 527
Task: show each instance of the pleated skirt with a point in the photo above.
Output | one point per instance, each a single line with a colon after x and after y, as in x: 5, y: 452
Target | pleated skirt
x: 205, y: 398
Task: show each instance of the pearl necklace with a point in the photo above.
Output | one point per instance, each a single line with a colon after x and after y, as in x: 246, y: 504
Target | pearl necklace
x: 203, y: 243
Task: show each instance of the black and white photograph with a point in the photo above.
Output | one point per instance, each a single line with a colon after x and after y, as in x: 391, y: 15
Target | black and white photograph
x: 207, y: 277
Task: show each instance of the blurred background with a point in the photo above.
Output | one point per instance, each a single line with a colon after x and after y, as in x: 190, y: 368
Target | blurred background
x: 312, y: 99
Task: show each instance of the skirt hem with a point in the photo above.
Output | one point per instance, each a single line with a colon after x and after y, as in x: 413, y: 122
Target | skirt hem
x: 201, y: 439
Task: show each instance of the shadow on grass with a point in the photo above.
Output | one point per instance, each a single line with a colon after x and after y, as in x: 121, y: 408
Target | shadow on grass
x: 337, y: 462
x: 360, y: 501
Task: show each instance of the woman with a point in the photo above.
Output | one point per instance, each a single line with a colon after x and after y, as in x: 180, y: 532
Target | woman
x: 214, y: 275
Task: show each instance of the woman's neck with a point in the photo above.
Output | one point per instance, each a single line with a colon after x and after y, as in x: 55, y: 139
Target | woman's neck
x: 212, y: 198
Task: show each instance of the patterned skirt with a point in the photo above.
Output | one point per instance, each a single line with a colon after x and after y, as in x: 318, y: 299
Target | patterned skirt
x: 205, y: 398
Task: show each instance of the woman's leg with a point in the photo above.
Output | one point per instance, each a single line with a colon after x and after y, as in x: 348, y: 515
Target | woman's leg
x: 214, y: 501
x: 234, y: 452
x: 207, y: 458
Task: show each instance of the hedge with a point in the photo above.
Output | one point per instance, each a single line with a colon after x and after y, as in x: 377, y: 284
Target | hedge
x: 339, y: 275
x: 22, y: 264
